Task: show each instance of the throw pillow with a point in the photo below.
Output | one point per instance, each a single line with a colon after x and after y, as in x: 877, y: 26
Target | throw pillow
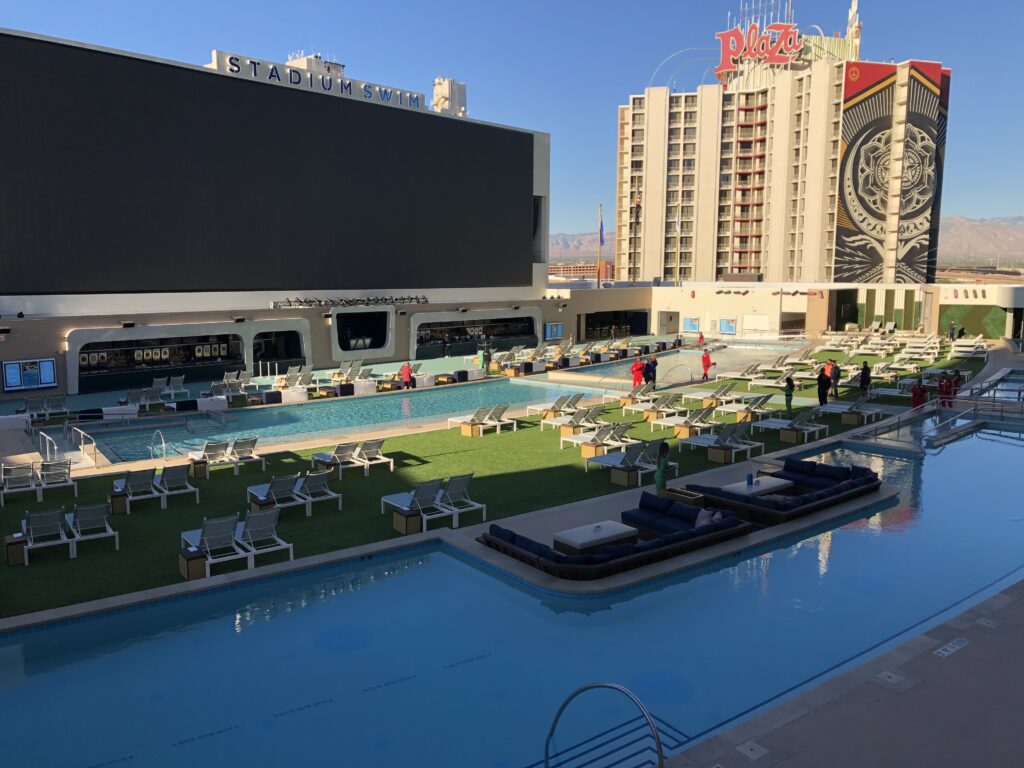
x: 704, y: 517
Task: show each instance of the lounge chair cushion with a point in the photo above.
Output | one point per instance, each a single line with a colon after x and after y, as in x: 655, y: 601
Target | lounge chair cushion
x: 684, y: 512
x: 832, y: 472
x: 803, y: 467
x: 617, y: 550
x: 655, y: 503
x: 502, y: 534
x: 671, y: 524
x: 640, y: 518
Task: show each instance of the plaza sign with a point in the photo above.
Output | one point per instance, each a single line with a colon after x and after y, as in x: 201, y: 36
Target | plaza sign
x: 262, y: 71
x: 779, y: 44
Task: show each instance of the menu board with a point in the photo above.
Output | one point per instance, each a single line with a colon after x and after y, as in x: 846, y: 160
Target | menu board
x: 21, y: 375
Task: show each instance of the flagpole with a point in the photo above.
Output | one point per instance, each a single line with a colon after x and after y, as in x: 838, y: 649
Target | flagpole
x: 600, y: 238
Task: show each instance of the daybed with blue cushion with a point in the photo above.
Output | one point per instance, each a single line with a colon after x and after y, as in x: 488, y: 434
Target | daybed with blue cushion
x: 816, y: 486
x: 615, y: 558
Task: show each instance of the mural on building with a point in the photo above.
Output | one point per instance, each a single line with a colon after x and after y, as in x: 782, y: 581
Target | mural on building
x: 922, y: 166
x: 864, y: 172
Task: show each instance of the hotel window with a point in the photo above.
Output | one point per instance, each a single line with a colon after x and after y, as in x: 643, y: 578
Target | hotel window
x: 691, y: 101
x: 687, y: 194
x: 673, y: 134
x: 686, y: 242
x: 638, y: 102
x: 673, y: 165
x: 687, y: 179
x: 689, y: 133
x: 676, y: 101
x: 673, y: 179
x: 689, y: 164
x: 638, y: 134
x: 687, y: 211
x: 725, y: 179
x: 690, y: 117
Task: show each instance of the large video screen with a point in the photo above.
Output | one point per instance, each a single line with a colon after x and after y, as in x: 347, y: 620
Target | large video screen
x: 119, y: 174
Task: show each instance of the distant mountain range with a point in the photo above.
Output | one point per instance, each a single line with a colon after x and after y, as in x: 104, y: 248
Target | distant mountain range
x: 962, y: 241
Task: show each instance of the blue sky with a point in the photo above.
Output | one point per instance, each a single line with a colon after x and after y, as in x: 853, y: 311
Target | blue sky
x: 563, y: 66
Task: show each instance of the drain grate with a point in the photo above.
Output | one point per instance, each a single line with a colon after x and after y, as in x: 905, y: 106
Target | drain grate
x: 752, y: 749
x: 952, y: 647
x: 892, y: 678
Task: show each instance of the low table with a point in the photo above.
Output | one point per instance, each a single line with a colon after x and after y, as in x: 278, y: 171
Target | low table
x: 586, y: 538
x: 762, y: 486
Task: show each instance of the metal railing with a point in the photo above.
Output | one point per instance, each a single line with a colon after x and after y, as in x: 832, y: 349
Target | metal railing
x: 47, y: 446
x: 887, y: 426
x: 163, y: 445
x: 83, y: 439
x: 612, y: 687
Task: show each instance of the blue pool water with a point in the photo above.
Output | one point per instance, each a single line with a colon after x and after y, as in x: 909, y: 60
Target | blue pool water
x: 423, y: 658
x: 327, y: 418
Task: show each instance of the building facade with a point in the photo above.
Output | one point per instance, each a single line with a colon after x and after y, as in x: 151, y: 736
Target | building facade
x: 806, y: 166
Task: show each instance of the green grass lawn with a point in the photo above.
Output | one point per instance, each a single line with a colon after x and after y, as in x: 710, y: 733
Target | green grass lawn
x: 515, y: 472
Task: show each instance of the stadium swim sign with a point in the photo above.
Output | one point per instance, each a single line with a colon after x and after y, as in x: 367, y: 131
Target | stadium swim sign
x: 779, y: 44
x: 262, y: 71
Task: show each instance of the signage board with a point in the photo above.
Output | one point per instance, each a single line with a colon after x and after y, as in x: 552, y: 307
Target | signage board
x: 778, y: 44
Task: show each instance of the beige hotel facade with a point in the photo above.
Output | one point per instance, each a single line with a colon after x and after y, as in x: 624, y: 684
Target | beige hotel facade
x: 823, y: 169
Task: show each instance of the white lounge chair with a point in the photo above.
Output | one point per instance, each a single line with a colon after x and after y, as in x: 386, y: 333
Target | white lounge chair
x: 596, y: 437
x: 757, y: 407
x: 243, y: 449
x: 649, y: 457
x: 216, y: 541
x: 497, y: 419
x: 280, y: 493
x: 214, y: 452
x: 138, y: 485
x: 419, y: 499
x: 257, y: 535
x: 54, y: 474
x: 18, y: 478
x: 56, y: 405
x: 370, y: 453
x: 478, y: 417
x: 625, y: 459
x: 344, y: 455
x: 453, y: 500
x: 314, y: 487
x: 800, y: 423
x: 699, y: 419
x: 557, y: 406
x: 46, y: 529
x: 91, y: 521
x: 173, y: 480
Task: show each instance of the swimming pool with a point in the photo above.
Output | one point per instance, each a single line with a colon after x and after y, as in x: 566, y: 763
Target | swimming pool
x: 327, y: 418
x: 425, y: 658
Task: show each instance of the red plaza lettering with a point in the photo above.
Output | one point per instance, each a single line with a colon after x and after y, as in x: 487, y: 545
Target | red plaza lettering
x: 779, y: 44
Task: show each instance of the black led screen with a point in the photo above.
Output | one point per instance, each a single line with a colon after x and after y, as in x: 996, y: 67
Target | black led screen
x: 119, y: 174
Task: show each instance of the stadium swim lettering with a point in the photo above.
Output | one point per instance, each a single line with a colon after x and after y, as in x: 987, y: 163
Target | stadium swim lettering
x: 274, y: 73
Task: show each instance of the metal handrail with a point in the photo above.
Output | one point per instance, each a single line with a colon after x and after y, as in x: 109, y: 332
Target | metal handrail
x: 887, y: 426
x: 163, y: 445
x: 613, y: 687
x: 44, y: 440
x: 82, y: 437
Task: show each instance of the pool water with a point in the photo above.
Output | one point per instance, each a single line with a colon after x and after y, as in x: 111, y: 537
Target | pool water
x: 424, y: 658
x: 325, y: 419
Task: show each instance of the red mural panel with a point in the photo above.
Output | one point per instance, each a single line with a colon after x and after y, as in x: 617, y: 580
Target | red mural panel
x: 861, y: 75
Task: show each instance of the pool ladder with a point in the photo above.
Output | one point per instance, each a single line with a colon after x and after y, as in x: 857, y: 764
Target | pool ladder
x: 163, y: 445
x: 612, y: 687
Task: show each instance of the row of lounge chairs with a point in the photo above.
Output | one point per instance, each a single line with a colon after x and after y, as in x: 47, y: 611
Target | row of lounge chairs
x: 44, y: 407
x: 35, y: 477
x: 349, y: 455
x: 142, y: 484
x: 293, y: 491
x: 55, y: 527
x: 488, y: 417
x: 222, y: 539
x: 234, y: 452
x: 433, y: 499
x: 638, y: 455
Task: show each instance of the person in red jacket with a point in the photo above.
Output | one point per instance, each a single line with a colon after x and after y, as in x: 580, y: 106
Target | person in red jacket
x: 406, y: 373
x: 945, y: 388
x: 705, y: 363
x: 700, y: 338
x: 918, y: 394
x: 637, y: 369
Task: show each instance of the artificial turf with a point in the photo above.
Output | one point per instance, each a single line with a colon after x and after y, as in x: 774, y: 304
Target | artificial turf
x: 514, y: 472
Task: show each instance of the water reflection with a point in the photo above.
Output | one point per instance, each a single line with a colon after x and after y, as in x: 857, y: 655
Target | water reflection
x: 325, y: 591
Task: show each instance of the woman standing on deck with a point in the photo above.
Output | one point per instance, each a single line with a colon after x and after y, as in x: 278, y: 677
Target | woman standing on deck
x: 705, y: 363
x: 918, y: 393
x: 661, y: 469
x: 788, y: 392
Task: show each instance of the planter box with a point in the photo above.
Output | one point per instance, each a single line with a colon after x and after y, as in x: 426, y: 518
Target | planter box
x: 567, y: 430
x: 853, y: 419
x: 471, y: 430
x: 628, y: 478
x: 721, y: 455
x: 191, y: 565
x: 652, y: 415
x: 406, y: 524
x: 792, y: 436
x: 684, y: 432
x: 588, y: 451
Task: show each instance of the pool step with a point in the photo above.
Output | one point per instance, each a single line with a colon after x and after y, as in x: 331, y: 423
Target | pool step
x: 629, y: 744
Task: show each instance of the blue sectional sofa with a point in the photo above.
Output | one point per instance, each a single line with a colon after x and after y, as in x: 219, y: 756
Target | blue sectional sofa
x: 816, y: 486
x: 673, y: 531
